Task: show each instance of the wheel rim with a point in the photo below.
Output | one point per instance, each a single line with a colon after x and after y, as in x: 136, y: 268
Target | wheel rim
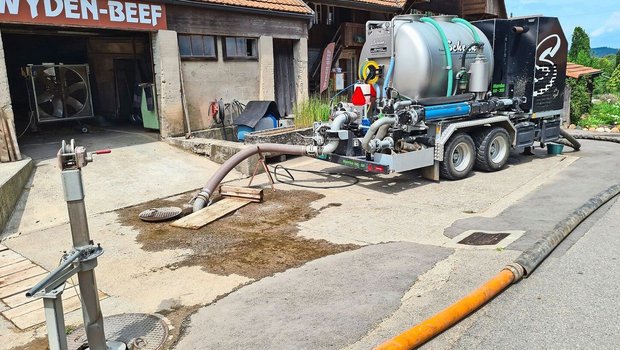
x: 498, y: 149
x: 462, y: 156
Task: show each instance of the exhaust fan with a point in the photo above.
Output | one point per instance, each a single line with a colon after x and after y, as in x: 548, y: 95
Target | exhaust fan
x: 59, y: 92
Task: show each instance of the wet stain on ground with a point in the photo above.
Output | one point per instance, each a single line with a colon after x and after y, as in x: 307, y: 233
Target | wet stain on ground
x: 257, y: 240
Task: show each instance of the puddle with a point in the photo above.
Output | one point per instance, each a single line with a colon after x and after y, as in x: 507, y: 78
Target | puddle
x: 257, y: 240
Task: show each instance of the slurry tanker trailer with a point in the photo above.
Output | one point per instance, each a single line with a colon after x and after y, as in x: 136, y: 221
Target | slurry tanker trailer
x: 443, y: 95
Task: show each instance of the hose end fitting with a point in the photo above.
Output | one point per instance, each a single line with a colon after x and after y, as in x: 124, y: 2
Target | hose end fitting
x: 517, y: 270
x: 201, y: 200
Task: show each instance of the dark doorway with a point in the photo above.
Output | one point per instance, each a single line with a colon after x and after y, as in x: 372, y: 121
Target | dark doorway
x: 284, y: 75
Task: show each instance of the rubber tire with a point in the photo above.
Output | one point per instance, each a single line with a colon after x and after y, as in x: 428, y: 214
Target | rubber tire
x: 483, y: 139
x: 446, y: 168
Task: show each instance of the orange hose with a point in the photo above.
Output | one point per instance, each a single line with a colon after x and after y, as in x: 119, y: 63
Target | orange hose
x: 446, y: 318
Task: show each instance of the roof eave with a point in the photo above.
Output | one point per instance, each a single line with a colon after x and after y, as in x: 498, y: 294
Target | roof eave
x: 223, y: 7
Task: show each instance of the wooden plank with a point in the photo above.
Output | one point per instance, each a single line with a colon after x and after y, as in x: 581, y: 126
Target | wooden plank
x: 253, y: 194
x: 12, y: 136
x: 21, y: 298
x: 22, y: 275
x: 19, y: 287
x: 37, y: 316
x: 13, y: 268
x: 211, y: 213
x: 9, y: 257
x: 184, y: 19
x: 34, y: 304
x: 4, y: 147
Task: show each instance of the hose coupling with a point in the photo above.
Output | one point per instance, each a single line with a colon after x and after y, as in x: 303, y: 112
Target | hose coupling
x: 517, y: 270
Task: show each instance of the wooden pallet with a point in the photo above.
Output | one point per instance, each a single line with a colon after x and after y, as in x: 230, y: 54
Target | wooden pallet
x: 17, y: 275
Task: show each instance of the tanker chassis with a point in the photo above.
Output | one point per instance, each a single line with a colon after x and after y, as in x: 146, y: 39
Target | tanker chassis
x: 444, y: 95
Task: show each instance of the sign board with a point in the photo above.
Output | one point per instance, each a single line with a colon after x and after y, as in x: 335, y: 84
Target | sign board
x: 113, y: 14
x: 326, y: 65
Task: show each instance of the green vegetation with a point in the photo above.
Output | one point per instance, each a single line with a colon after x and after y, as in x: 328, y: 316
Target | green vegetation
x: 602, y: 114
x: 311, y: 110
x: 606, y: 112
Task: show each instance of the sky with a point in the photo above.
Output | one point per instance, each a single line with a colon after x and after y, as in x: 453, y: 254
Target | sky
x: 599, y: 18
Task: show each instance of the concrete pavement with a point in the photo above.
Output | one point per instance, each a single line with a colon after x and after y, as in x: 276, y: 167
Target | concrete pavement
x: 425, y: 268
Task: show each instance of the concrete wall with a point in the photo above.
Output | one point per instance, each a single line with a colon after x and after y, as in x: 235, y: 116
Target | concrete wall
x: 300, y: 56
x: 168, y: 82
x: 5, y: 97
x: 265, y: 61
x: 206, y: 81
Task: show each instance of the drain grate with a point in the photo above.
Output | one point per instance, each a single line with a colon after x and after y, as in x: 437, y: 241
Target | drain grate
x: 160, y: 214
x: 483, y: 238
x: 138, y: 331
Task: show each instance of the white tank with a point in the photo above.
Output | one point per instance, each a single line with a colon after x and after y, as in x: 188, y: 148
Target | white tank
x: 420, y: 61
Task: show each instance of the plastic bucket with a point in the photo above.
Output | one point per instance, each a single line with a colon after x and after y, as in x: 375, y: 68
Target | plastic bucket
x: 554, y: 148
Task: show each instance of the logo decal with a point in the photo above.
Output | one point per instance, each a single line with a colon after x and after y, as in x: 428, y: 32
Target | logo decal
x: 546, y: 69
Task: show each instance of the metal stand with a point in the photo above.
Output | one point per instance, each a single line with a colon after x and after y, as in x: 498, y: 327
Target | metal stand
x: 261, y: 161
x: 82, y: 259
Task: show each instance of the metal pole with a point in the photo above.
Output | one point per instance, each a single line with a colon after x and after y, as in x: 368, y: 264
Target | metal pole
x: 93, y: 319
x: 55, y: 322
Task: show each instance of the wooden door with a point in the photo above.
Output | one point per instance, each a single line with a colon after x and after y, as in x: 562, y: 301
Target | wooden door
x: 284, y: 71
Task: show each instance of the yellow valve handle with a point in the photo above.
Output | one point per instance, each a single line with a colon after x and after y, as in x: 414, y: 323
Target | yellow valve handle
x: 365, y: 72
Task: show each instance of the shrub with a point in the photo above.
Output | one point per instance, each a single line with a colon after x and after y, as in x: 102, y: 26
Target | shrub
x: 580, y: 101
x: 602, y: 114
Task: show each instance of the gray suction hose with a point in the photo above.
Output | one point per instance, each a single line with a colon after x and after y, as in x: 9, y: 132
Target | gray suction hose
x: 374, y: 128
x: 202, y: 199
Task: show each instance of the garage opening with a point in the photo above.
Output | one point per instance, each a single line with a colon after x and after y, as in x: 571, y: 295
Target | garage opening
x: 78, y: 79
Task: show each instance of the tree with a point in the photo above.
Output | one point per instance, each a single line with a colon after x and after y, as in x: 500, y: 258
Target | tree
x: 580, y: 99
x: 580, y: 43
x: 613, y: 84
x: 618, y: 58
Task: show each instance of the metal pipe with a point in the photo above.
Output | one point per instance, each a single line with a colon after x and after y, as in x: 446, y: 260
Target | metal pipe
x: 374, y: 128
x: 448, y: 54
x: 43, y: 283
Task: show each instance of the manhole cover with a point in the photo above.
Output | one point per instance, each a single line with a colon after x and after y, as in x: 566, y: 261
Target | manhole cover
x: 138, y: 331
x: 483, y: 238
x: 160, y: 214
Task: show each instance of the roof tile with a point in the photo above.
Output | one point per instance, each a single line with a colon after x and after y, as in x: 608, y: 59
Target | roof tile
x: 295, y: 6
x: 575, y: 71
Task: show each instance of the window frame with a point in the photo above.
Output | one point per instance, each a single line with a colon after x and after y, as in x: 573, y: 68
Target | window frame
x: 198, y: 58
x: 239, y: 58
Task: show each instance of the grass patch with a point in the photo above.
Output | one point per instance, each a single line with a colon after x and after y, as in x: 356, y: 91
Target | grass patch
x: 311, y: 110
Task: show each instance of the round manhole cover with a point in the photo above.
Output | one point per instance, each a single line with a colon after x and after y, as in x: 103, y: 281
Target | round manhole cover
x: 160, y: 214
x: 138, y: 331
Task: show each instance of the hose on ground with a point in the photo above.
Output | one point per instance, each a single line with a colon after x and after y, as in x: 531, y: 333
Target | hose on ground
x: 571, y: 140
x: 524, y: 265
x: 291, y: 179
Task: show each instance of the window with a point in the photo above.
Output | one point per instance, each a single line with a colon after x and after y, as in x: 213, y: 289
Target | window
x: 240, y: 48
x: 318, y: 14
x: 197, y: 46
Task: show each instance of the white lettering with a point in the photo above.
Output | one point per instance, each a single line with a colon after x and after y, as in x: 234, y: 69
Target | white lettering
x: 156, y: 11
x: 47, y: 4
x: 71, y: 9
x: 116, y: 11
x: 34, y: 12
x: 12, y: 5
x: 144, y: 13
x: 132, y: 12
x: 90, y: 6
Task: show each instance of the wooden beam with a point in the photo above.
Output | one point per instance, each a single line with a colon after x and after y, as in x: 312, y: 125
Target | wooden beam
x: 253, y: 194
x: 211, y: 213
